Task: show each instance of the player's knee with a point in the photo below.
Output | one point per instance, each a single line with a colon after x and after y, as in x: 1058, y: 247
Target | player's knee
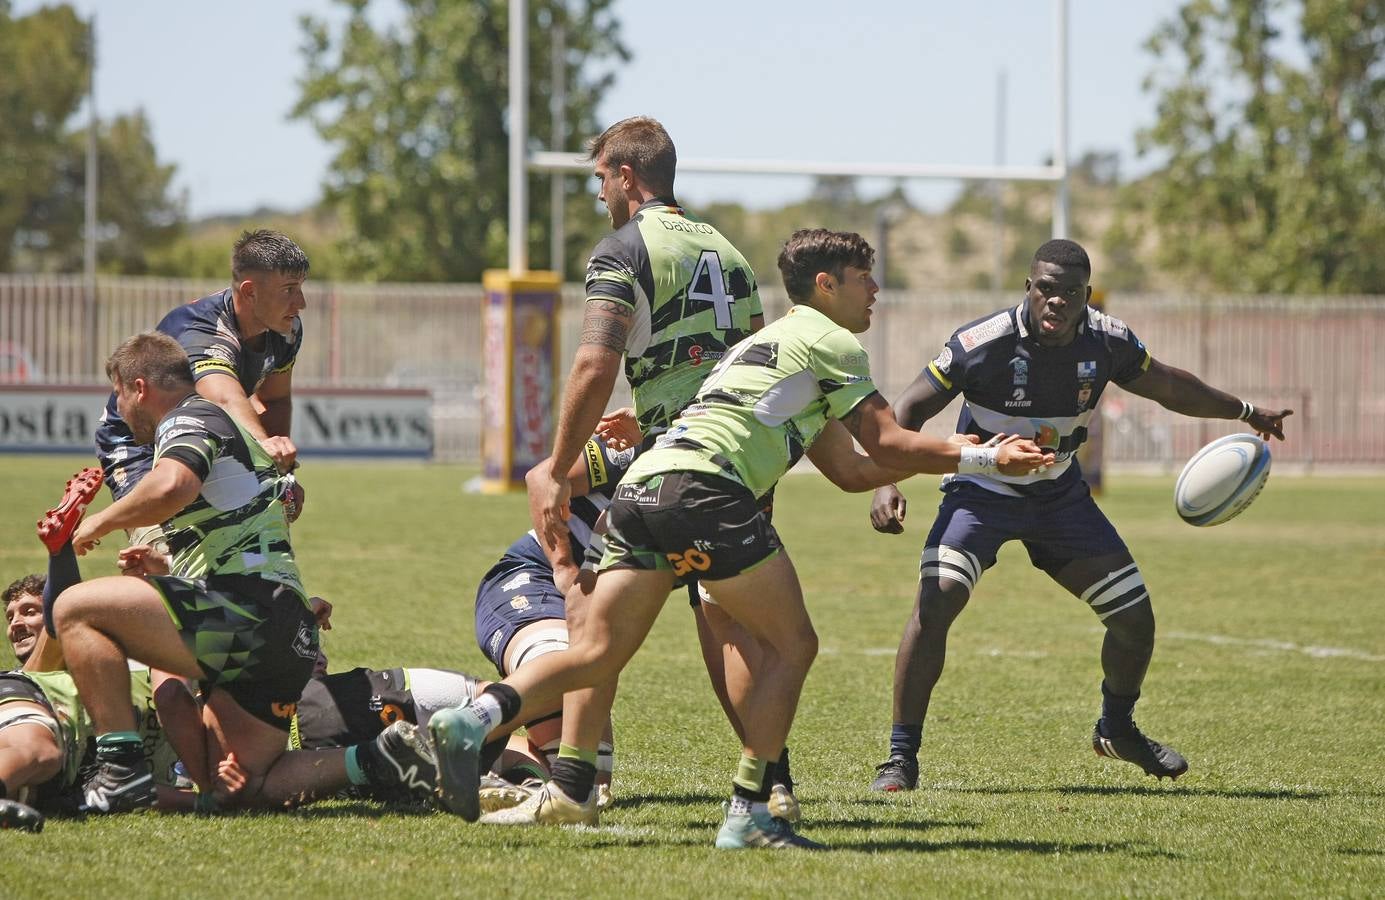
x: 1121, y: 600
x: 70, y: 608
x: 1134, y: 624
x: 940, y: 602
x: 802, y: 647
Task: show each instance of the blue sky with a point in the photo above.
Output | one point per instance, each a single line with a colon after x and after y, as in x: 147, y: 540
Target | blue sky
x: 878, y: 80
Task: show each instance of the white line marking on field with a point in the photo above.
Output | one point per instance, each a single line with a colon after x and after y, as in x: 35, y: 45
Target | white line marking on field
x: 1270, y: 644
x: 891, y: 651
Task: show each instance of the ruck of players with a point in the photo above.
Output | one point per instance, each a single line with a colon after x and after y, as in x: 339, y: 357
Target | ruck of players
x: 193, y: 677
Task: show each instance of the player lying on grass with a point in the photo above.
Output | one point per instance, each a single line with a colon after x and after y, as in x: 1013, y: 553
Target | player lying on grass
x: 46, y: 734
x: 1039, y: 368
x: 689, y: 506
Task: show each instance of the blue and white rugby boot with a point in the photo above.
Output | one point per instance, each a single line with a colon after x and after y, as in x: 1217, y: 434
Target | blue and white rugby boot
x: 458, y: 735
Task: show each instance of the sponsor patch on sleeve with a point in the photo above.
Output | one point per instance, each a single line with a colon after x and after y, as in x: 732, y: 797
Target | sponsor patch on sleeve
x: 986, y: 331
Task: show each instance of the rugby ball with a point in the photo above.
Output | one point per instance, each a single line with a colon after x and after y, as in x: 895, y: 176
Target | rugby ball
x: 1221, y: 479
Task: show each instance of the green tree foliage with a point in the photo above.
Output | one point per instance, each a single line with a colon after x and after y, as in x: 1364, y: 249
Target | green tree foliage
x: 1271, y: 119
x: 46, y: 60
x: 417, y: 116
x: 137, y: 212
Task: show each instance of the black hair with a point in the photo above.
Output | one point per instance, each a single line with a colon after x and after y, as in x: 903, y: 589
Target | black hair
x: 265, y: 251
x: 812, y: 250
x: 1065, y: 253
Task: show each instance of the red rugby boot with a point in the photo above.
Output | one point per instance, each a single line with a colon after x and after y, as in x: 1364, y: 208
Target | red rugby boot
x: 57, y: 525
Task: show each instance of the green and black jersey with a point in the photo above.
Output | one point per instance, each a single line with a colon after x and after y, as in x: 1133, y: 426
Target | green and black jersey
x: 693, y: 296
x: 765, y: 403
x: 236, y: 525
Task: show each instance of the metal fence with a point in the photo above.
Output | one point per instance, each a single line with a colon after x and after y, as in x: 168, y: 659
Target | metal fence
x: 1316, y: 355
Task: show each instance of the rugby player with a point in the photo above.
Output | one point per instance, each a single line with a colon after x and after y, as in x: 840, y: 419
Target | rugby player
x: 242, y: 343
x: 689, y: 506
x: 1039, y: 368
x: 233, y: 613
x: 668, y: 293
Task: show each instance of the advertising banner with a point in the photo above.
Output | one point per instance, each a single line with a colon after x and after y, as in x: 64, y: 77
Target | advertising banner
x: 326, y: 421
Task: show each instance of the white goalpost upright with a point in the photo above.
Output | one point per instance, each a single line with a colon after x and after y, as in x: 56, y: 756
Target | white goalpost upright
x: 522, y: 161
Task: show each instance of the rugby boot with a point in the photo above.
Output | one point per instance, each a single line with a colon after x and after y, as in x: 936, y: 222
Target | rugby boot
x: 57, y: 525
x: 898, y: 773
x: 458, y: 735
x: 495, y: 793
x: 119, y: 786
x: 20, y: 816
x: 743, y: 831
x: 549, y: 805
x: 406, y: 760
x: 1133, y: 747
x: 783, y: 804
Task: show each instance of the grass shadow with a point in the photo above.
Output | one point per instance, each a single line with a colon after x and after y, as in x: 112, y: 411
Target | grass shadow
x: 1360, y: 851
x: 1038, y: 848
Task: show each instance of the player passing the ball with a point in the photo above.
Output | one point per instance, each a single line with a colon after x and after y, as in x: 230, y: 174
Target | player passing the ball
x: 688, y: 507
x: 1038, y: 368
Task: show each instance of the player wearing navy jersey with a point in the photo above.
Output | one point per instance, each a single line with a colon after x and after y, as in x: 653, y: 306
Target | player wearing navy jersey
x: 1038, y: 369
x: 232, y: 614
x: 242, y: 343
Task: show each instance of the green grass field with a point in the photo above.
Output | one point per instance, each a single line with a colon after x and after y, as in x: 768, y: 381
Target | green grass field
x: 1269, y: 676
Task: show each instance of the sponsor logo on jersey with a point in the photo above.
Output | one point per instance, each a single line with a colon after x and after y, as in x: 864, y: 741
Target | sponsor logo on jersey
x: 284, y: 710
x: 519, y: 603
x: 852, y: 359
x: 1046, y: 435
x: 305, y: 642
x: 519, y: 580
x: 1021, y: 367
x: 1086, y: 369
x: 218, y: 353
x: 641, y: 494
x: 494, y: 642
x: 596, y: 464
x: 988, y: 330
x: 943, y: 361
x: 1083, y: 396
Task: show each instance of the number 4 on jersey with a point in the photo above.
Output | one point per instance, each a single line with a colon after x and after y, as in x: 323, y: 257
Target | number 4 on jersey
x: 710, y: 264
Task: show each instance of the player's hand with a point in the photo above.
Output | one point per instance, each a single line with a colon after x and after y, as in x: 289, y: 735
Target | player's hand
x: 1020, y: 456
x: 887, y: 508
x: 322, y: 611
x: 554, y: 495
x: 620, y: 429
x: 964, y: 440
x: 1268, y: 423
x: 88, y: 535
x: 282, y: 451
x: 142, y: 560
x: 230, y: 781
x: 564, y: 577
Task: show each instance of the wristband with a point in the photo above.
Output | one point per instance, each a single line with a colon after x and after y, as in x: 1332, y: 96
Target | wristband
x: 977, y: 461
x: 1246, y: 411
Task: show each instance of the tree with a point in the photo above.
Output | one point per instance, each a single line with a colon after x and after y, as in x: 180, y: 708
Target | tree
x: 1274, y: 177
x: 45, y: 59
x: 417, y: 115
x: 137, y: 212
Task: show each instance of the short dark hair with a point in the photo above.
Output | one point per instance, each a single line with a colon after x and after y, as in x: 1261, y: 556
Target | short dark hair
x: 263, y: 251
x: 157, y: 358
x: 642, y: 144
x: 1063, y: 252
x: 29, y: 584
x: 809, y: 251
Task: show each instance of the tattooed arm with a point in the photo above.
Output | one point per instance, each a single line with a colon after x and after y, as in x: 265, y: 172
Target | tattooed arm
x: 605, y: 325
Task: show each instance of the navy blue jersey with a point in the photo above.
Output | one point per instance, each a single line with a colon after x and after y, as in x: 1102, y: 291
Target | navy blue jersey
x: 1011, y: 384
x: 604, y: 470
x: 207, y: 330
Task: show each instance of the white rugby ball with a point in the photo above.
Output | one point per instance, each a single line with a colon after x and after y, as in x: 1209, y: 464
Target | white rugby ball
x: 1221, y: 479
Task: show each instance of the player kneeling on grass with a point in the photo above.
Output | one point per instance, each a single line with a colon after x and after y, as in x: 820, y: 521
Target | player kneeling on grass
x: 1039, y: 366
x: 688, y: 507
x: 233, y: 614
